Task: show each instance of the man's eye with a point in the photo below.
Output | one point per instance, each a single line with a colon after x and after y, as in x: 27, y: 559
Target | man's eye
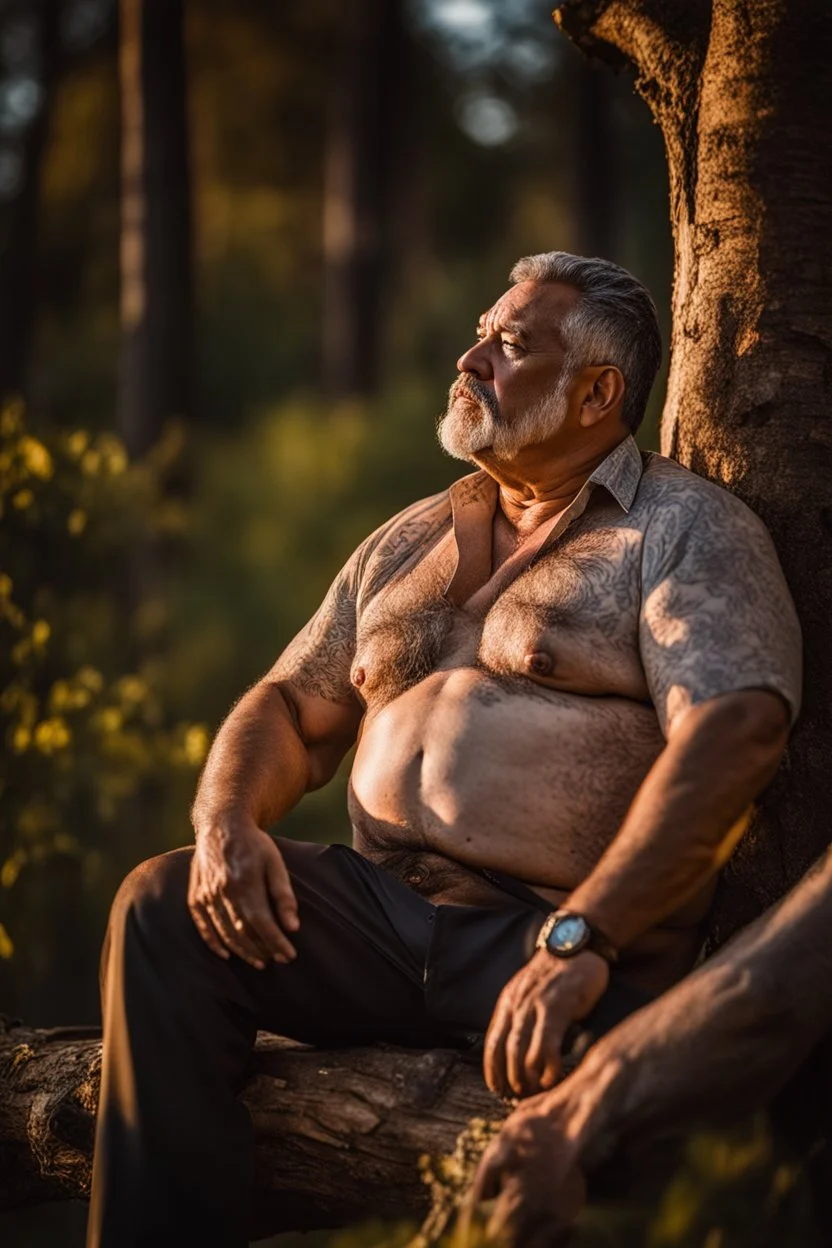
x: 511, y: 346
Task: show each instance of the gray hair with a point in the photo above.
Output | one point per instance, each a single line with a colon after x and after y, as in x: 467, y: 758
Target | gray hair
x: 614, y: 322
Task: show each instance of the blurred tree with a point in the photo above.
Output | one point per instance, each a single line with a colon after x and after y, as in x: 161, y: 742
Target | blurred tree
x: 156, y: 292
x: 31, y: 54
x: 597, y: 179
x: 742, y: 93
x: 367, y: 98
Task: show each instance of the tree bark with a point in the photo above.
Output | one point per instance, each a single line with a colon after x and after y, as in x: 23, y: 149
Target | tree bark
x: 741, y: 90
x: 156, y: 270
x: 336, y: 1132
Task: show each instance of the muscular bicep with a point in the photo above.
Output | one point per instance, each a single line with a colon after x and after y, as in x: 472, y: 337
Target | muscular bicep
x: 313, y: 675
x: 717, y: 616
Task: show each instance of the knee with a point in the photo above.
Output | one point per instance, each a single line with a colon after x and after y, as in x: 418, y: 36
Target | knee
x: 154, y: 894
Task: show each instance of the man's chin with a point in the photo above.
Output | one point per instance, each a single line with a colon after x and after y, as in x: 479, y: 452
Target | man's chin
x: 458, y: 443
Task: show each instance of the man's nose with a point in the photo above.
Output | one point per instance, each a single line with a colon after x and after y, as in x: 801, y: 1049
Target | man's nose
x: 475, y: 360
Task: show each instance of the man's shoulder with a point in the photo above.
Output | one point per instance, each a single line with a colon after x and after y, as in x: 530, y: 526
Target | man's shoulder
x: 685, y: 516
x: 667, y: 487
x: 413, y: 529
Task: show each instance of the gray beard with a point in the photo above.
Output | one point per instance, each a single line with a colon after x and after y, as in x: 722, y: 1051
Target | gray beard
x: 471, y: 424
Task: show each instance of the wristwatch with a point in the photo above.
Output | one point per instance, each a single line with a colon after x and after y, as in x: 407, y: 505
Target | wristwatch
x: 565, y: 933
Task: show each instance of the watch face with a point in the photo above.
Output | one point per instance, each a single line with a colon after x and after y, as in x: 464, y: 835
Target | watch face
x: 569, y: 935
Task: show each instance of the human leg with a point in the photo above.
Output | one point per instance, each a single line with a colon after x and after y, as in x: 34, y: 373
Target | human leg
x: 174, y: 1147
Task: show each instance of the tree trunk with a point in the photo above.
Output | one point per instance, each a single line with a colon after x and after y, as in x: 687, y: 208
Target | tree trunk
x: 156, y: 276
x: 18, y: 249
x: 336, y: 1132
x: 367, y: 94
x: 741, y: 90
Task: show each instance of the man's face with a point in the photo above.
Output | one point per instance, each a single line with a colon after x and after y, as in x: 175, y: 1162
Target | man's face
x: 511, y: 391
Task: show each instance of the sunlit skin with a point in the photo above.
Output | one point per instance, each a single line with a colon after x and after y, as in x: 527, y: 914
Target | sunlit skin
x: 580, y: 796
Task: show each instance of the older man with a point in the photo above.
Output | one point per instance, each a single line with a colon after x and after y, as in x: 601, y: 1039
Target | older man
x: 568, y: 677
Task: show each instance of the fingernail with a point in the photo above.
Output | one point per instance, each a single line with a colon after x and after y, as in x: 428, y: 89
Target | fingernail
x: 278, y: 957
x: 293, y: 922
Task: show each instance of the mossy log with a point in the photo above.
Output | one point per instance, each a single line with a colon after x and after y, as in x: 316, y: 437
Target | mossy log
x: 338, y: 1132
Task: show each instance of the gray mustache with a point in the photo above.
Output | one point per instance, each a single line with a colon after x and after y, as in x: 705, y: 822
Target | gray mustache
x: 475, y: 390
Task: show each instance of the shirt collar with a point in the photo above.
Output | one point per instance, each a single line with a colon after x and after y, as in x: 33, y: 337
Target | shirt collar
x: 474, y: 498
x: 619, y: 473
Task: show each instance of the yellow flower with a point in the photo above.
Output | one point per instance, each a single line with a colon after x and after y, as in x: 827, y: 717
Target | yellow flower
x: 11, y: 418
x: 21, y: 652
x: 6, y: 945
x: 132, y: 690
x: 115, y: 456
x: 23, y: 499
x: 76, y: 521
x: 36, y: 457
x: 91, y: 462
x: 51, y: 735
x: 21, y: 739
x: 77, y: 443
x: 11, y: 868
x: 41, y: 632
x: 110, y: 719
x: 90, y: 679
x: 196, y: 744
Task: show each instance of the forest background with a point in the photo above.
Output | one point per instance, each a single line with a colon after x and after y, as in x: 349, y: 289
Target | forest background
x: 233, y: 288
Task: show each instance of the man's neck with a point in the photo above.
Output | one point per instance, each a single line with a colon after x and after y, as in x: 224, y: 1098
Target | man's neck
x: 532, y: 492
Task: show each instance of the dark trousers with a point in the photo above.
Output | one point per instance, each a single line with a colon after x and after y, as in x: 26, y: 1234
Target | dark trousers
x: 376, y: 961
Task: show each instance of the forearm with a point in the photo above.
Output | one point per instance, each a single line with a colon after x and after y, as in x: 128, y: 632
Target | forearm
x: 258, y: 764
x: 677, y: 833
x: 723, y: 1042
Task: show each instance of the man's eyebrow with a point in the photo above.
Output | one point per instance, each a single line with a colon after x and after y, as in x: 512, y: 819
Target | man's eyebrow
x: 511, y: 327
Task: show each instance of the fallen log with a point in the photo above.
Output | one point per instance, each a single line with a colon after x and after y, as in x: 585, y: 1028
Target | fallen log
x: 339, y: 1133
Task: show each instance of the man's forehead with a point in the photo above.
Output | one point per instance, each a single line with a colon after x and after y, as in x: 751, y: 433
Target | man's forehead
x: 532, y: 307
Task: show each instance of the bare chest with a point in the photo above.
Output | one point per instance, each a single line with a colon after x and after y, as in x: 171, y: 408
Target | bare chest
x: 569, y: 622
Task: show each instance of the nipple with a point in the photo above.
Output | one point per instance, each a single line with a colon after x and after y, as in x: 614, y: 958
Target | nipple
x: 539, y: 662
x: 358, y: 677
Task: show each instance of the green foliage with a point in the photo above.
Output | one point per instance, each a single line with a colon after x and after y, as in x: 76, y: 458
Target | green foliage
x: 81, y: 706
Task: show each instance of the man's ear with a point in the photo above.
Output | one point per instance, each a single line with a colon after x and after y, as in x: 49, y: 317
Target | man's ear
x: 603, y: 390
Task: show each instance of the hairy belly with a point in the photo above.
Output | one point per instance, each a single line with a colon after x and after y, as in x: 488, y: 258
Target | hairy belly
x: 502, y: 773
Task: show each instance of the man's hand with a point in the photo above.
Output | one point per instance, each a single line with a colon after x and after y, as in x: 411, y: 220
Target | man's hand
x: 237, y: 876
x: 532, y: 1015
x: 532, y: 1171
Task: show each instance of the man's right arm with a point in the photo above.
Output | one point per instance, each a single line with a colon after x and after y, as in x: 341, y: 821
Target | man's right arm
x: 284, y: 737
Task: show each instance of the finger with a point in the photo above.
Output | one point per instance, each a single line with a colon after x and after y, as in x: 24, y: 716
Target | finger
x: 283, y: 895
x: 505, y: 1223
x: 516, y: 1049
x: 494, y: 1052
x: 553, y: 1069
x: 237, y: 912
x: 487, y: 1179
x: 246, y: 939
x: 545, y: 1042
x: 259, y: 923
x: 231, y: 937
x: 207, y: 932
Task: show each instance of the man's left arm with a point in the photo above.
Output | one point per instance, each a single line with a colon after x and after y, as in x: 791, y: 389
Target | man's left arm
x: 720, y: 645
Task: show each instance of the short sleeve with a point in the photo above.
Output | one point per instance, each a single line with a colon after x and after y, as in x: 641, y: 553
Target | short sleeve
x: 716, y: 613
